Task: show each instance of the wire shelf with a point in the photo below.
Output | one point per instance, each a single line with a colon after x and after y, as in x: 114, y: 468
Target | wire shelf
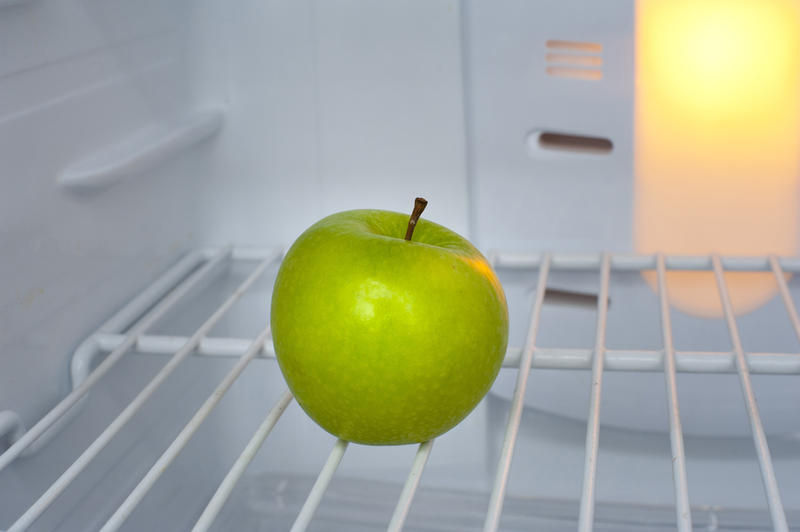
x: 130, y: 331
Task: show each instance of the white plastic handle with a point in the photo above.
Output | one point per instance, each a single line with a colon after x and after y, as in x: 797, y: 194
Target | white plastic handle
x: 137, y: 155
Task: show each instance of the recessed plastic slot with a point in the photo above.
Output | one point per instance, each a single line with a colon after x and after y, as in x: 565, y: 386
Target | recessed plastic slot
x: 577, y: 73
x: 575, y: 46
x: 549, y: 140
x: 575, y: 59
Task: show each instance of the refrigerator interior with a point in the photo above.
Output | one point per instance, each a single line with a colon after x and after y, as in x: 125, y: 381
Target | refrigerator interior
x: 158, y: 157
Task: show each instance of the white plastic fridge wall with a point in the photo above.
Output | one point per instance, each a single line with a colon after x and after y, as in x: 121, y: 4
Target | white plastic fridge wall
x: 132, y: 132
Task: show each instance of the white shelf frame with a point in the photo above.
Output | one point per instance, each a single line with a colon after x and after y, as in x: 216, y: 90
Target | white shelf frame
x: 127, y: 330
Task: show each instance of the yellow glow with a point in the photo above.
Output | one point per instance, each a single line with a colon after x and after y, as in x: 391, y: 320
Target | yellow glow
x: 482, y: 266
x: 729, y: 59
x: 717, y: 122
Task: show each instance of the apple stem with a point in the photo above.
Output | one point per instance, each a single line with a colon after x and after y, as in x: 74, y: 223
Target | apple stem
x: 419, y: 206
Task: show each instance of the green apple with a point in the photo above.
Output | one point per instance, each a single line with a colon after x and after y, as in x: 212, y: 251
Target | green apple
x: 384, y: 340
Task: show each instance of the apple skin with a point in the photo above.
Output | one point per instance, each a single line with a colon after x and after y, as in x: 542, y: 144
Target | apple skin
x: 385, y: 341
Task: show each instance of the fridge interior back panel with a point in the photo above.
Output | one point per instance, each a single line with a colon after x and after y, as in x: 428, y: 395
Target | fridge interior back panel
x: 528, y: 193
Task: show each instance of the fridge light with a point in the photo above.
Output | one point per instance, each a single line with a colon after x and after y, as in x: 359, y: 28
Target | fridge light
x: 717, y: 136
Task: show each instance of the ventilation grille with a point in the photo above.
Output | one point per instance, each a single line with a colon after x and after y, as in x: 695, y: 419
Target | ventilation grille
x: 574, y: 59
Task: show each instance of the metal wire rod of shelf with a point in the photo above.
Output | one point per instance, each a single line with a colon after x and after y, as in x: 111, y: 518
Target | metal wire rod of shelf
x: 651, y: 360
x: 326, y: 474
x: 515, y: 413
x: 66, y: 478
x: 759, y: 438
x: 586, y: 512
x: 318, y: 489
x: 780, y: 277
x: 683, y: 513
x: 410, y: 487
x: 240, y: 465
x: 180, y: 441
x: 127, y: 342
x: 625, y: 262
x: 599, y: 359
